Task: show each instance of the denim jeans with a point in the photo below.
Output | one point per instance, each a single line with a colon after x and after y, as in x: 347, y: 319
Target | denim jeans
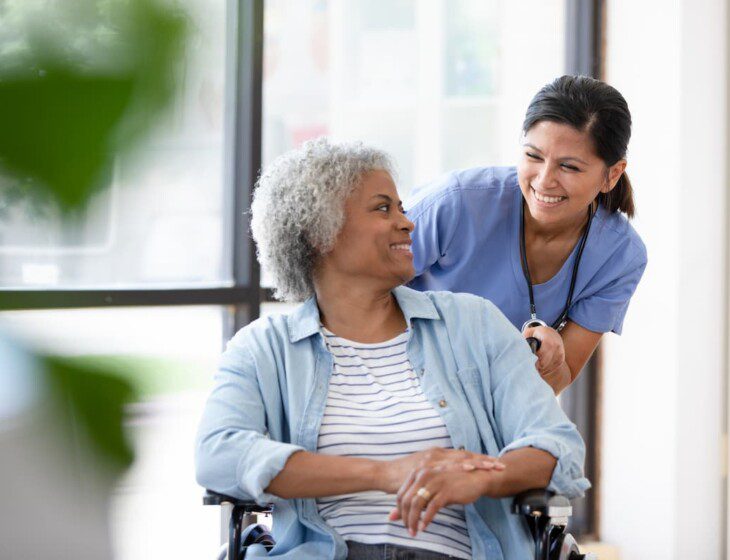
x: 360, y: 551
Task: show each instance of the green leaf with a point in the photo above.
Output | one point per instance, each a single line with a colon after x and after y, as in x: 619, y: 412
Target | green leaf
x: 79, y: 89
x: 91, y: 403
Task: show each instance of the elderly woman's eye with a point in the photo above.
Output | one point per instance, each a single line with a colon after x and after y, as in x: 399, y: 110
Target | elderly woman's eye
x: 384, y: 207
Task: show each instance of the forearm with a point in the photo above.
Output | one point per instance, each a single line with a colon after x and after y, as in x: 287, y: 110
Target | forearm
x: 311, y: 475
x: 560, y: 378
x: 525, y: 468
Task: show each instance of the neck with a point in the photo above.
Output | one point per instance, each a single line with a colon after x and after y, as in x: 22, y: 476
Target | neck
x: 353, y: 310
x: 567, y: 229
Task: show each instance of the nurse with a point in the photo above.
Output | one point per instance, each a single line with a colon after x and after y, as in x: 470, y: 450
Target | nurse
x: 548, y: 241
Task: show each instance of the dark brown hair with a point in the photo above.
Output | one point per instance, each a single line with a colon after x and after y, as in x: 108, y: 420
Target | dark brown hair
x: 594, y: 107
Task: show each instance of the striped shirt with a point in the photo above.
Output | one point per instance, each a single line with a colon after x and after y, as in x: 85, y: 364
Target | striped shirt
x: 376, y: 410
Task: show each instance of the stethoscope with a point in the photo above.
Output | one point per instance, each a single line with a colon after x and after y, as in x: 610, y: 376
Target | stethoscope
x: 533, y: 321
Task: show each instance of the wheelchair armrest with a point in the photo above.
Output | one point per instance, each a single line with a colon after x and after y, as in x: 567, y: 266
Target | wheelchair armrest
x: 211, y: 498
x: 542, y: 503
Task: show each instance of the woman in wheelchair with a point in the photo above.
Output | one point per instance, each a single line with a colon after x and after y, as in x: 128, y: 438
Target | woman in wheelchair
x: 381, y: 422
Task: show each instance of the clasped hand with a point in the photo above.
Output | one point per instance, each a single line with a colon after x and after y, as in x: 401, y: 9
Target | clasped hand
x: 550, y: 356
x: 450, y: 476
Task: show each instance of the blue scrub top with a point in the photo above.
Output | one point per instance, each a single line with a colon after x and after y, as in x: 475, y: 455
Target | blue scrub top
x: 467, y: 239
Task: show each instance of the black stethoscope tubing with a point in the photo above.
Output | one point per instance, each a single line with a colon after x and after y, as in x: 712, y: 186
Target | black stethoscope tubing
x: 562, y: 319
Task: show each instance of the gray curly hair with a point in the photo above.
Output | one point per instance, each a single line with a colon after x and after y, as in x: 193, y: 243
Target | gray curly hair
x: 298, y: 208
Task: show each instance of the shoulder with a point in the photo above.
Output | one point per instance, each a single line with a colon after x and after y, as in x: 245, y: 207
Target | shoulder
x: 615, y: 233
x: 474, y: 184
x: 463, y: 308
x: 264, y: 337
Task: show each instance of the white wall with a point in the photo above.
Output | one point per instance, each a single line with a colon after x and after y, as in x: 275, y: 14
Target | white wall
x: 663, y: 404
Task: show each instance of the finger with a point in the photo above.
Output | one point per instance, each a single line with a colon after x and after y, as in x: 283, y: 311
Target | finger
x: 402, y: 497
x: 405, y: 486
x: 532, y: 331
x: 405, y: 506
x: 394, y: 515
x: 434, y: 506
x: 453, y: 456
x: 418, y: 504
x: 483, y: 464
x: 552, y: 372
x: 415, y: 502
x: 549, y: 363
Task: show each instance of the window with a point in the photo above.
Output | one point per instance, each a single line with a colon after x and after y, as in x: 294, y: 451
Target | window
x: 161, y: 220
x: 439, y: 85
x: 162, y: 263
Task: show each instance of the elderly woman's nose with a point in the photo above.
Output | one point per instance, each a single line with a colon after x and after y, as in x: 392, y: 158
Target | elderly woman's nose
x: 406, y: 224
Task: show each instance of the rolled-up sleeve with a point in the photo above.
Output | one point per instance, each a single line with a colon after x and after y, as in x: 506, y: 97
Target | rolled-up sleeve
x: 234, y: 455
x: 525, y: 408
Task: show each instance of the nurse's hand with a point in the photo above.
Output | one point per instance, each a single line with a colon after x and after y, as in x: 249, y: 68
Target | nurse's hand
x: 550, y: 357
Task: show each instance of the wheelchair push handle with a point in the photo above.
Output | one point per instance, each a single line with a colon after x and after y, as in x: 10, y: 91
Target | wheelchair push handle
x: 534, y: 344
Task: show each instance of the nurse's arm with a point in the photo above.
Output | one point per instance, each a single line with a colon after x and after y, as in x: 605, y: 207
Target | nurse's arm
x: 579, y: 344
x: 562, y: 355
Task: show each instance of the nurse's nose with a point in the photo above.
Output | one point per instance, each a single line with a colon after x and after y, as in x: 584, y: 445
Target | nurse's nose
x: 546, y: 179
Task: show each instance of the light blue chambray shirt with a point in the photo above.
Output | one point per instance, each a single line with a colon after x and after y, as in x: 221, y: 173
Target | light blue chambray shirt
x: 271, y: 390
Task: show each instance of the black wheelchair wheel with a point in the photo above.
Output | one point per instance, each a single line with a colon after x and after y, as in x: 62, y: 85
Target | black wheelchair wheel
x: 564, y: 547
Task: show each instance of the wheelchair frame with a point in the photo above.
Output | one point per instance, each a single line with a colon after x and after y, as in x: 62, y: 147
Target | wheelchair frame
x: 546, y: 515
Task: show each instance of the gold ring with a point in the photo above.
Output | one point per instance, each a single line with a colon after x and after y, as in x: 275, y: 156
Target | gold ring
x: 424, y: 493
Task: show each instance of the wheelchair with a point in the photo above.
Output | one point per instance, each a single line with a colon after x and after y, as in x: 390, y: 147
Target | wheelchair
x: 546, y: 515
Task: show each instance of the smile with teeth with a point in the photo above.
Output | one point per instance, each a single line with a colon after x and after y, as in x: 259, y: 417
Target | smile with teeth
x: 548, y: 199
x: 401, y: 247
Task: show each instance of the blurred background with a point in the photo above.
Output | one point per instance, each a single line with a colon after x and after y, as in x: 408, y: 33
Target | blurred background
x: 144, y: 275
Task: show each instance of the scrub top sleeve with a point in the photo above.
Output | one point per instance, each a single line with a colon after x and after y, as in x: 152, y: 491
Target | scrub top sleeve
x: 436, y: 216
x: 605, y: 310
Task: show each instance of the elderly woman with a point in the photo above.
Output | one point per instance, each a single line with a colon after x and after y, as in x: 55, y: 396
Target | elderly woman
x: 372, y: 414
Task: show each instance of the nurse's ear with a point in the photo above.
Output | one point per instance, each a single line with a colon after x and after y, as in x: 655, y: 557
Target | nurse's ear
x: 613, y: 174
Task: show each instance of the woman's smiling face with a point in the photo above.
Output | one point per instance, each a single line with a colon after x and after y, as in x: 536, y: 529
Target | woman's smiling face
x: 375, y: 240
x: 560, y: 173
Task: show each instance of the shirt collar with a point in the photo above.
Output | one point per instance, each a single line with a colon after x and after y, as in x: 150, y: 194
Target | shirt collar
x: 303, y: 322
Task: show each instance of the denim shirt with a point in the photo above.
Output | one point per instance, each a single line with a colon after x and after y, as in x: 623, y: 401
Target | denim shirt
x: 475, y: 369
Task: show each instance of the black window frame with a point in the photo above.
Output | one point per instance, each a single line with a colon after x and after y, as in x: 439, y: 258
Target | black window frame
x: 242, y: 298
x: 584, y: 55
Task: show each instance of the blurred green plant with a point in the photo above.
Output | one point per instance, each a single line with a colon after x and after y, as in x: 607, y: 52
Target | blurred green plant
x: 81, y: 82
x: 90, y: 403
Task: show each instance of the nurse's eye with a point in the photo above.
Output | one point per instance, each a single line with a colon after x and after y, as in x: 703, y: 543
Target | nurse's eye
x: 569, y: 167
x: 532, y: 156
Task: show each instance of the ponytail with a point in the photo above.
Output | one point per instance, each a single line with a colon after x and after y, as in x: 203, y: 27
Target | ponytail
x: 620, y: 198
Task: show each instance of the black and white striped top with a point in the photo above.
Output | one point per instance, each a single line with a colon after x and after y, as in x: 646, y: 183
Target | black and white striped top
x: 376, y: 409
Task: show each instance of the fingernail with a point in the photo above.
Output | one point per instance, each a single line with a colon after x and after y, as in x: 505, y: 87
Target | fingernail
x: 468, y: 467
x: 421, y: 526
x: 487, y: 464
x: 500, y: 466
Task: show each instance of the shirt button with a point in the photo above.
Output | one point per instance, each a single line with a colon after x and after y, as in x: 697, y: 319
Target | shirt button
x: 442, y: 403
